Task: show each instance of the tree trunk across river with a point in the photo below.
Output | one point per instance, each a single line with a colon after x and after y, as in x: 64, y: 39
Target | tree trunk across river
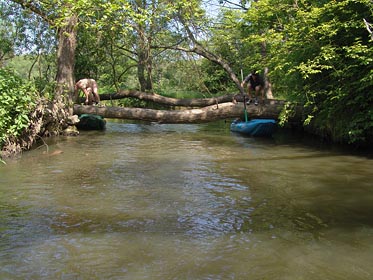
x: 208, y: 109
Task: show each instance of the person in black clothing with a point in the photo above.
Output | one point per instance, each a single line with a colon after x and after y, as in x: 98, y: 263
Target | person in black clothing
x: 255, y: 83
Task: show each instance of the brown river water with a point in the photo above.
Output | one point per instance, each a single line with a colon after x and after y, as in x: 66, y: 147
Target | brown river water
x: 151, y: 201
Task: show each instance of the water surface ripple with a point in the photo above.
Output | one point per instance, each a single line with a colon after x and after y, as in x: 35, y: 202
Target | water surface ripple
x: 153, y: 201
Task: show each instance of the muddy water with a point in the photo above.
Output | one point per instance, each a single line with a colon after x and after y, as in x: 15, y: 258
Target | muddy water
x: 150, y: 201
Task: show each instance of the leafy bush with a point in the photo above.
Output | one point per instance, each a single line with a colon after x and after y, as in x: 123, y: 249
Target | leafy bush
x: 17, y: 100
x: 320, y: 54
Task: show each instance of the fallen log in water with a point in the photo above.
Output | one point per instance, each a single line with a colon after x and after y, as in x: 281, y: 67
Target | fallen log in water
x: 271, y: 109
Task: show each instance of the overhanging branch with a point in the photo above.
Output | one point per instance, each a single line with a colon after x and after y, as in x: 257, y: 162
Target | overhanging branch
x: 30, y: 5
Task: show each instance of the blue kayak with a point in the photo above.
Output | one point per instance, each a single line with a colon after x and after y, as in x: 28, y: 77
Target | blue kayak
x: 255, y: 127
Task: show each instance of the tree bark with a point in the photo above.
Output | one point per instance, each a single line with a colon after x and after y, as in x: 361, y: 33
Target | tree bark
x: 66, y: 62
x: 192, y: 102
x: 267, y: 85
x: 61, y: 108
x: 271, y: 109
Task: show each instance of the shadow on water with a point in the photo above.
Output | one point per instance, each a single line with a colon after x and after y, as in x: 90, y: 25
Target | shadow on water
x: 285, y: 136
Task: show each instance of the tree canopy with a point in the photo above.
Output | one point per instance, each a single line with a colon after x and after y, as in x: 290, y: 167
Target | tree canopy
x: 317, y: 53
x: 321, y: 54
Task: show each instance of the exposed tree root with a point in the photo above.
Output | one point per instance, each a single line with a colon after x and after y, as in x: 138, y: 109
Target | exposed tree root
x: 48, y: 119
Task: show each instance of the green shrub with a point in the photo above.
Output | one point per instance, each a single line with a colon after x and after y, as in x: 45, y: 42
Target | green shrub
x: 17, y: 100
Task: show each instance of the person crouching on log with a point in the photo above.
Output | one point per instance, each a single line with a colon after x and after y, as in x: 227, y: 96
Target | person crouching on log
x: 255, y: 83
x: 88, y: 86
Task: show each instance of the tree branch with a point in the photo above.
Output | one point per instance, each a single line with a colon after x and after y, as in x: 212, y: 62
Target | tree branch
x: 200, y: 50
x: 235, y: 5
x: 368, y: 26
x: 191, y: 102
x: 33, y: 7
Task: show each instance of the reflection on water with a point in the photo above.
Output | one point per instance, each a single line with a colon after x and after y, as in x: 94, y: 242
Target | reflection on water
x: 152, y: 201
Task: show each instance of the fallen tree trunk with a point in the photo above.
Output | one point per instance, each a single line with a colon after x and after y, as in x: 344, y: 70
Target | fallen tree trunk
x: 271, y: 109
x: 192, y: 102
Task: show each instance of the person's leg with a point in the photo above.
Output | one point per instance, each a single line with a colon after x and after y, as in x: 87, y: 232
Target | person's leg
x: 92, y: 98
x: 257, y: 89
x: 249, y: 93
x: 95, y: 94
x: 86, y: 93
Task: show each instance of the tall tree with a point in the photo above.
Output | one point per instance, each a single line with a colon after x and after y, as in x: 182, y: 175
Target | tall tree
x: 321, y: 54
x: 60, y: 16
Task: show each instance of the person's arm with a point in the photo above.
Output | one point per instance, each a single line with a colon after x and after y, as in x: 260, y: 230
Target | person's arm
x: 247, y: 78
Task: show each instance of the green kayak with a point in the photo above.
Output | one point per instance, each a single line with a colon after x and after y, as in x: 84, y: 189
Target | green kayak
x: 91, y: 122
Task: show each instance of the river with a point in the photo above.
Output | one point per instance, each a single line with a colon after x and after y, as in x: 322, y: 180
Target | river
x: 158, y: 201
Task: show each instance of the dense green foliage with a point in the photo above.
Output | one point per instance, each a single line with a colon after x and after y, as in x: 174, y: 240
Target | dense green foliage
x: 318, y: 53
x: 17, y: 100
